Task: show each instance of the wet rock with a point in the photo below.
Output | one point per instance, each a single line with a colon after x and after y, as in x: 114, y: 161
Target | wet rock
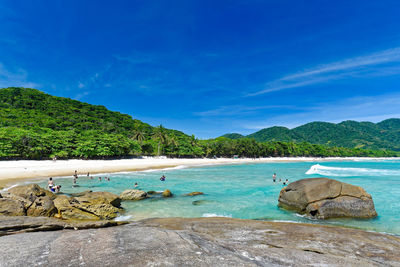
x: 166, y: 193
x: 325, y: 198
x: 151, y: 192
x: 133, y: 194
x: 196, y: 193
x: 200, y: 202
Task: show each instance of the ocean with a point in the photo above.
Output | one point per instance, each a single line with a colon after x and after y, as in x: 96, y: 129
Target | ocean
x: 247, y: 191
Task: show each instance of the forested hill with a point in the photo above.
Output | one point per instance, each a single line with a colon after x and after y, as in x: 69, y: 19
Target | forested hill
x: 352, y: 134
x: 35, y: 125
x: 58, y: 126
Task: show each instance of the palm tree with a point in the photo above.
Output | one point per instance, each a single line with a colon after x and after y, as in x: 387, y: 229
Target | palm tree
x: 159, y: 135
x: 173, y: 141
x: 138, y: 135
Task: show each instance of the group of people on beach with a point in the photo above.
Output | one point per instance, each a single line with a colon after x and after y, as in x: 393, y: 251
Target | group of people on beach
x: 56, y: 188
x: 286, y: 182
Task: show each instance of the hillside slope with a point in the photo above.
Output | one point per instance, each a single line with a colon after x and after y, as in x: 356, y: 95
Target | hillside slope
x: 352, y: 134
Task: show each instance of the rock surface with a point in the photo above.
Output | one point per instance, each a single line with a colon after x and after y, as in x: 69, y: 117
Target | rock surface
x: 32, y: 200
x: 325, y: 198
x: 21, y: 224
x: 11, y: 207
x: 202, y: 242
x: 133, y: 194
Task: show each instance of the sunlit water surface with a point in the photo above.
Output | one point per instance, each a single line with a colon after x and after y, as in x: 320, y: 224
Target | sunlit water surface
x: 247, y: 191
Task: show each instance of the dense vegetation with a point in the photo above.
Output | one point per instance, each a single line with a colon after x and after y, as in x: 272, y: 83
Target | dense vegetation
x: 351, y: 134
x: 35, y: 125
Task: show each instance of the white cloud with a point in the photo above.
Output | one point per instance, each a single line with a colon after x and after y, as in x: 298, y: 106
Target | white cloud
x: 337, y: 70
x: 236, y: 110
x: 17, y: 78
x: 81, y: 85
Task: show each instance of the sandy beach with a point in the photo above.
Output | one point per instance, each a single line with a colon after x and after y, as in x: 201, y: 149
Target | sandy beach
x: 12, y: 172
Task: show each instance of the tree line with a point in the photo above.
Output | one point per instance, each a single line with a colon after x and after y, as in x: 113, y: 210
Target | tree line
x: 45, y: 143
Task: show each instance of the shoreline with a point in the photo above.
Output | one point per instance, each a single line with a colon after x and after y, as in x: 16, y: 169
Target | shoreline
x: 16, y: 171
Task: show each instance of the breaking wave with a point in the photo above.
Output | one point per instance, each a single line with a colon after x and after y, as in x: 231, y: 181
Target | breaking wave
x: 337, y: 171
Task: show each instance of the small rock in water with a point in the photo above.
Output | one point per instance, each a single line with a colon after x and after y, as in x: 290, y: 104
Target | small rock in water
x: 196, y: 193
x: 199, y: 202
x: 151, y: 192
x: 133, y: 194
x: 167, y: 193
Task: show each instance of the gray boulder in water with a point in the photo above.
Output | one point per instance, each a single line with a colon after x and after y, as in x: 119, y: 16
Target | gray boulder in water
x: 325, y: 198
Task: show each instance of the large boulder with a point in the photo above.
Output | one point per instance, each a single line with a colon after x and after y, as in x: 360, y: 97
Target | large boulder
x: 43, y: 207
x: 66, y: 210
x: 105, y: 205
x: 133, y: 194
x: 325, y: 198
x: 30, y: 192
x: 11, y: 207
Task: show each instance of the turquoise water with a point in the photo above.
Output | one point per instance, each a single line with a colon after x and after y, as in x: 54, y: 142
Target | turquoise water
x: 247, y: 191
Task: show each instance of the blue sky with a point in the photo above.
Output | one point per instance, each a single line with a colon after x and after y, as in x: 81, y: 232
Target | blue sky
x: 210, y: 67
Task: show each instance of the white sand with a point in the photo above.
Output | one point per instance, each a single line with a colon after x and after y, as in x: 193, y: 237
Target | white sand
x: 12, y: 172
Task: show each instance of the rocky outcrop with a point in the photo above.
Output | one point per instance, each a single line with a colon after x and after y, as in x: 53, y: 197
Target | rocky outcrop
x: 42, y: 206
x: 103, y: 205
x: 202, y: 242
x: 32, y: 200
x: 196, y: 193
x: 133, y: 194
x: 325, y: 198
x: 11, y: 207
x: 30, y: 192
x: 166, y: 193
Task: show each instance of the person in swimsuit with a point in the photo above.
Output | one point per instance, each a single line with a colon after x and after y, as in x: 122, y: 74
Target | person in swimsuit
x: 50, y: 183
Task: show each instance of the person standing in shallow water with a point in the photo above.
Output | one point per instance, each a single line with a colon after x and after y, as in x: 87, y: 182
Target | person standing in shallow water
x: 274, y: 177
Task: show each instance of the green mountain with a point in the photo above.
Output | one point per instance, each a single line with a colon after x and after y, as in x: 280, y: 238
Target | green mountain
x: 73, y: 128
x: 35, y: 125
x: 352, y: 134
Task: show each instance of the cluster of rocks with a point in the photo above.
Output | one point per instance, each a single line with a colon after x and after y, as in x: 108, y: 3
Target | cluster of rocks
x: 325, y: 198
x: 32, y: 200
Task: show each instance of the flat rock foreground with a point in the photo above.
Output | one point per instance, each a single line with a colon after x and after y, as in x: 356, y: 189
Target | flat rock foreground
x: 192, y: 242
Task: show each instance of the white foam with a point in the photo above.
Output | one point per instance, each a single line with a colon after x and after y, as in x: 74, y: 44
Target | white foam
x: 208, y: 215
x: 123, y: 218
x: 167, y: 169
x: 338, y: 171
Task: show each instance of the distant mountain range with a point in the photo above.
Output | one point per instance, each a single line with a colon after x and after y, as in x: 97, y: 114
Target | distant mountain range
x: 352, y: 134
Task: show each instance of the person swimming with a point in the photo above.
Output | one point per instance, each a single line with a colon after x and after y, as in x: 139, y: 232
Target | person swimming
x: 274, y: 177
x: 162, y: 178
x: 136, y: 185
